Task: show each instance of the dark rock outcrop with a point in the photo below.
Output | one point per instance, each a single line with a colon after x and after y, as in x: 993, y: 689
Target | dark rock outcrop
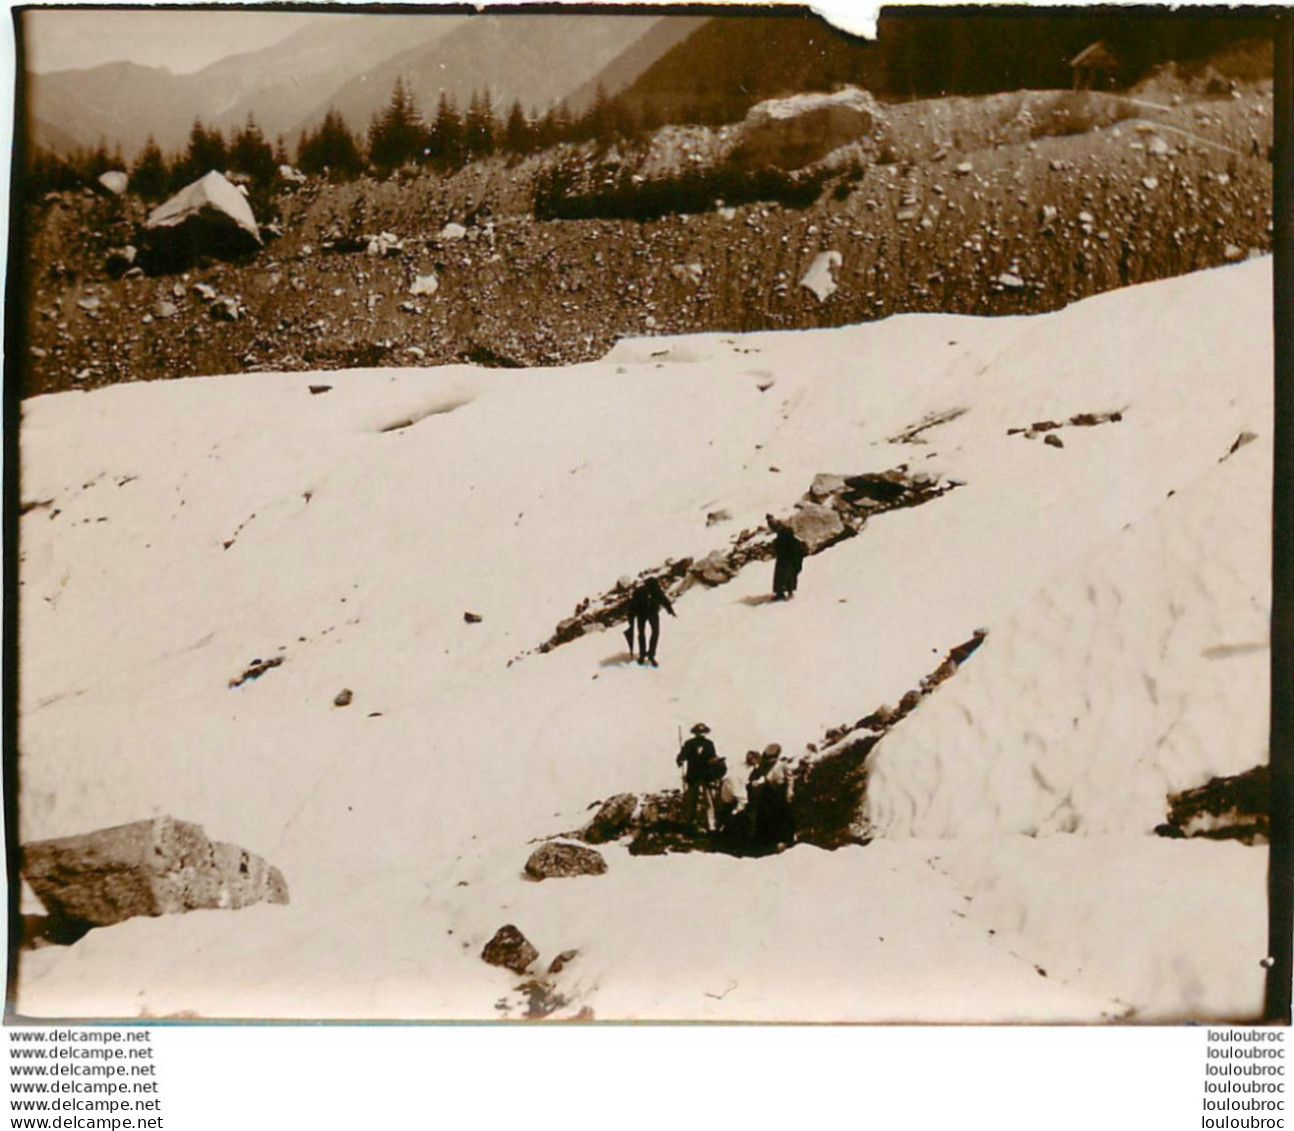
x: 1227, y: 808
x: 559, y: 860
x: 663, y: 839
x: 155, y: 867
x: 510, y: 949
x: 829, y: 796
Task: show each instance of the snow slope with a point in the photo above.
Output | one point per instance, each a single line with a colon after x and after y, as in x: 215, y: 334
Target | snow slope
x: 177, y: 531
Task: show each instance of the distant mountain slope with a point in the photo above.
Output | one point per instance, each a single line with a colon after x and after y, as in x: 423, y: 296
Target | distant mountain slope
x: 623, y: 70
x: 282, y: 84
x: 122, y: 103
x: 732, y: 62
x: 539, y: 59
x: 118, y: 103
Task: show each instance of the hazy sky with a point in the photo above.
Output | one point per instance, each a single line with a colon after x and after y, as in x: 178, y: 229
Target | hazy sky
x: 182, y: 41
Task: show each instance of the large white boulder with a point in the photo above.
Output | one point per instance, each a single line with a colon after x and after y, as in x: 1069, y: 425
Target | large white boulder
x: 792, y: 132
x: 212, y: 200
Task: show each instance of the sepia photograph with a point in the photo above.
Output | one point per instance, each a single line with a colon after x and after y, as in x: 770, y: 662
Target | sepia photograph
x: 629, y: 515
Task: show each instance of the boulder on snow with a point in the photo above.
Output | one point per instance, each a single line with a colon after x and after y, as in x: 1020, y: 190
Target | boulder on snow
x: 510, y: 949
x: 559, y: 963
x: 820, y: 278
x: 558, y: 860
x: 816, y: 526
x: 154, y: 867
x: 824, y: 486
x: 792, y: 132
x: 714, y: 569
x: 611, y: 819
x: 209, y: 216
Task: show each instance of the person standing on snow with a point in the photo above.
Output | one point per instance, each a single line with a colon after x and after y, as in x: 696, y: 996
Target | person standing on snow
x: 644, y: 610
x: 788, y: 553
x: 703, y: 770
x: 768, y: 800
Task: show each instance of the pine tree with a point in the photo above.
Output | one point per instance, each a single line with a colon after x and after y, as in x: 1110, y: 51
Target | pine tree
x: 250, y: 154
x: 47, y: 172
x: 596, y: 123
x: 445, y: 141
x: 206, y: 152
x: 331, y: 151
x: 478, y: 126
x: 148, y: 177
x: 555, y: 126
x: 396, y: 134
x: 98, y: 162
x: 624, y: 122
x: 518, y: 135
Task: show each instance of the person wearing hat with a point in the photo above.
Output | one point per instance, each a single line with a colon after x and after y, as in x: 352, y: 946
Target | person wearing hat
x: 768, y: 793
x: 703, y: 770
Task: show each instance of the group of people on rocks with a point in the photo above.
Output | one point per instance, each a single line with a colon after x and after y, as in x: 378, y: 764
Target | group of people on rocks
x: 765, y: 823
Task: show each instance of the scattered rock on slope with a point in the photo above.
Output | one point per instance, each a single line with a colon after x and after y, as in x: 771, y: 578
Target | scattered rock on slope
x: 557, y: 860
x: 820, y: 278
x: 510, y: 949
x: 154, y: 867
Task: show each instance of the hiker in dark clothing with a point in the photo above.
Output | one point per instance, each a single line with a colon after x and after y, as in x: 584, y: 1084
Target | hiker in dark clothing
x: 703, y: 770
x: 768, y: 801
x: 644, y: 610
x: 788, y: 553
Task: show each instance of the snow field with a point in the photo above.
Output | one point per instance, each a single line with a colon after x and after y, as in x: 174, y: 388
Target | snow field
x: 354, y: 553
